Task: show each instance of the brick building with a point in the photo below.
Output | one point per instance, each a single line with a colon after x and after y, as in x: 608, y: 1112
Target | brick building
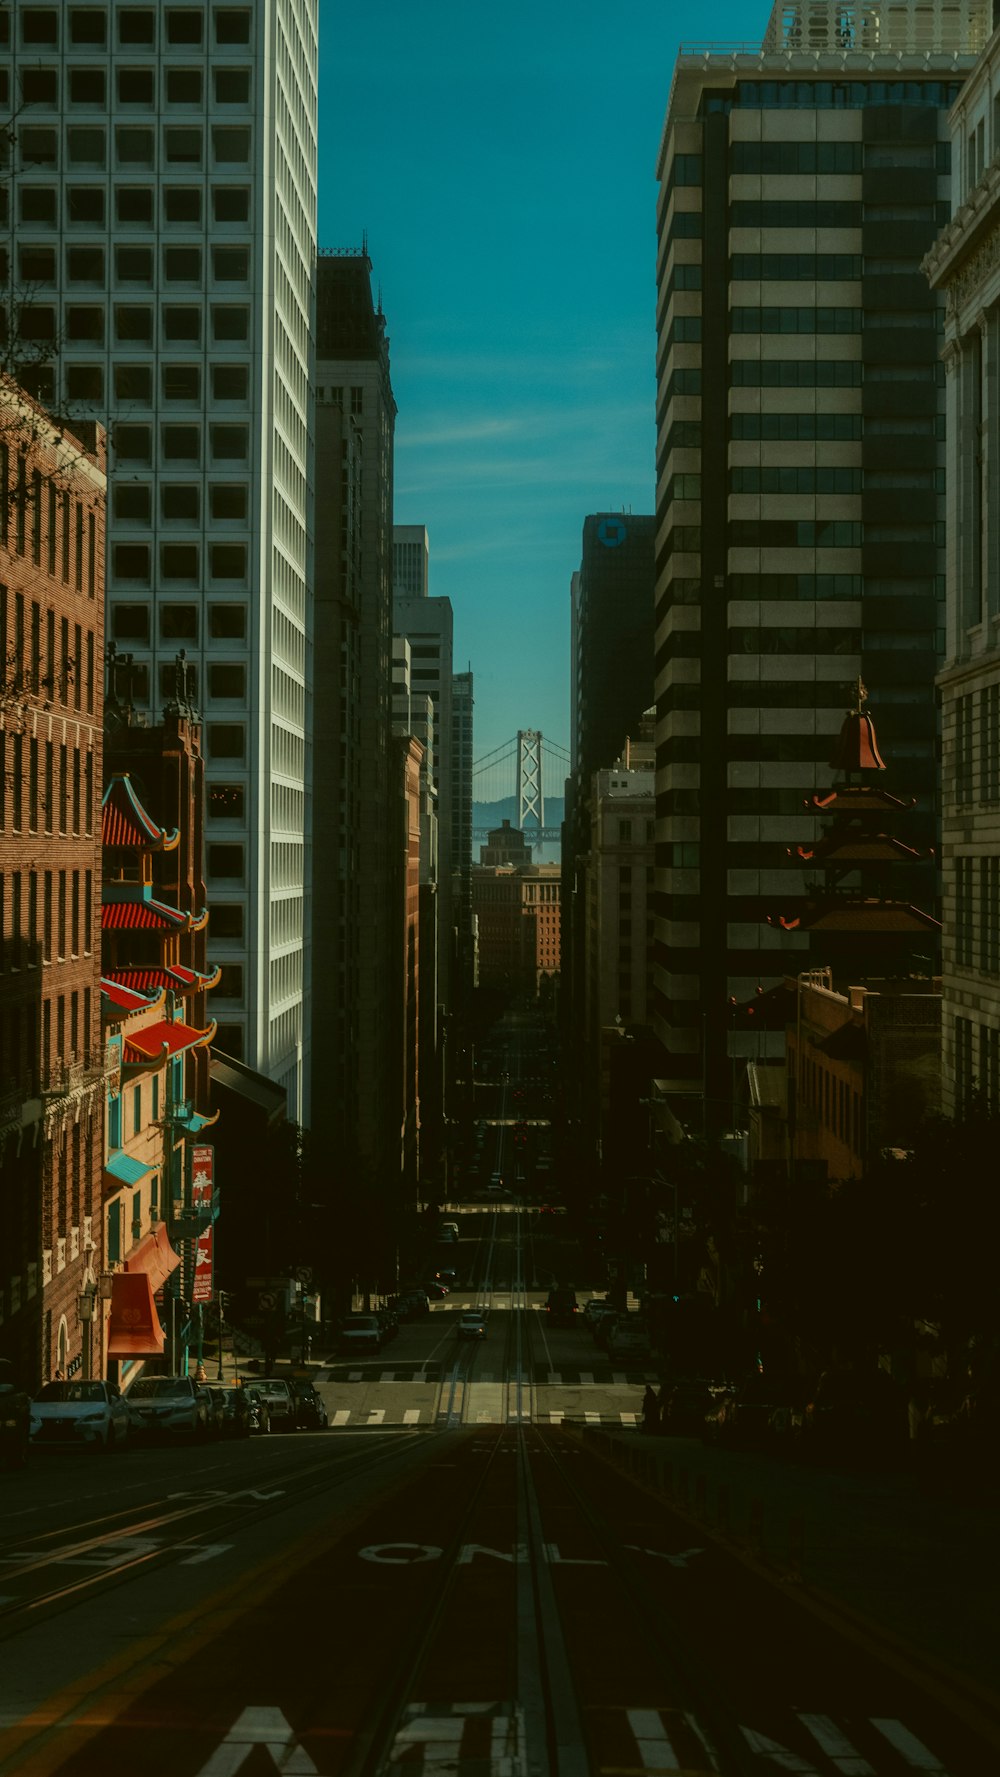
x: 52, y: 504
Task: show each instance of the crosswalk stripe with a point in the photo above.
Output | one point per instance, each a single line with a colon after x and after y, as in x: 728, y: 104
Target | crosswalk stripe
x: 628, y: 1418
x: 411, y: 1416
x: 376, y: 1416
x: 653, y: 1742
x: 909, y: 1747
x: 341, y: 1416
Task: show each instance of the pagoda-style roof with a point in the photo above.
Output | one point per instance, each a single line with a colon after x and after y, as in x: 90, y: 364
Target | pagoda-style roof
x: 851, y: 799
x: 856, y: 915
x: 125, y: 823
x: 118, y: 999
x: 143, y: 914
x: 175, y: 976
x: 857, y: 848
x: 158, y: 1042
x: 856, y: 748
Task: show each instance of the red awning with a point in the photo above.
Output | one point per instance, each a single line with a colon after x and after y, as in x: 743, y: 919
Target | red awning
x: 134, y: 1329
x: 154, y: 1256
x: 148, y: 1044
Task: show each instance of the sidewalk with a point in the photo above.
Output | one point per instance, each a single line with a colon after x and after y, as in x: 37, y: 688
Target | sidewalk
x: 917, y: 1574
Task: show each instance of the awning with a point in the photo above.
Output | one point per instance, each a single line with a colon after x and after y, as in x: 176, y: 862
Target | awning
x: 121, y: 1169
x: 149, y: 1043
x: 195, y: 1123
x: 154, y: 1257
x: 134, y: 1329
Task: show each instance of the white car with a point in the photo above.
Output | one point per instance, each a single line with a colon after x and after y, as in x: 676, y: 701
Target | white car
x: 471, y: 1324
x: 91, y: 1413
x: 169, y: 1406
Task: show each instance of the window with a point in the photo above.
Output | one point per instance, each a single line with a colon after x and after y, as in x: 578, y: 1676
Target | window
x: 133, y: 382
x: 182, y: 144
x: 226, y: 740
x: 85, y: 203
x: 232, y: 86
x: 131, y: 622
x: 37, y: 264
x: 85, y: 323
x: 228, y: 561
x: 232, y: 26
x: 85, y: 382
x: 135, y: 148
x: 179, y: 623
x: 230, y: 382
x: 182, y: 323
x: 182, y: 264
x: 230, y: 265
x: 85, y: 264
x: 227, y: 918
x: 132, y: 502
x: 87, y: 25
x: 133, y: 444
x: 180, y: 501
x: 226, y: 861
x: 136, y: 27
x: 183, y: 26
x: 183, y: 86
x: 230, y: 323
x: 134, y: 204
x: 135, y: 86
x: 182, y: 203
x: 227, y: 680
x: 39, y: 147
x: 230, y: 443
x: 133, y: 326
x: 179, y: 561
x: 170, y: 682
x: 86, y: 87
x: 181, y: 382
x: 39, y: 86
x: 130, y: 561
x: 38, y: 204
x: 230, y: 145
x: 230, y: 203
x: 181, y: 443
x: 88, y: 146
x: 226, y: 621
x: 225, y: 803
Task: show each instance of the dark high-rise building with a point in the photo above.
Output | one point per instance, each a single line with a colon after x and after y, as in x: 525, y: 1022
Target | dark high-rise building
x: 800, y: 474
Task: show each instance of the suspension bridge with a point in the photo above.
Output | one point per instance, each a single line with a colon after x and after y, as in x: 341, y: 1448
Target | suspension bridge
x: 518, y: 771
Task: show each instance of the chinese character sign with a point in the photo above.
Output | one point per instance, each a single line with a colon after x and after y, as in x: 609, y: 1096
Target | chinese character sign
x: 202, y: 1291
x: 202, y: 1177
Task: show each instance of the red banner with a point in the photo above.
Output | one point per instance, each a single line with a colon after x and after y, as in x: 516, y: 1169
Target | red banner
x: 202, y: 1177
x: 203, y: 1268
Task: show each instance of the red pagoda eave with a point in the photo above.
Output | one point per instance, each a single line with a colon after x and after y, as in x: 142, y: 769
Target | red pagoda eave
x: 125, y: 823
x: 176, y: 976
x: 119, y: 998
x: 852, y: 798
x: 859, y: 916
x: 158, y: 1042
x: 142, y: 916
x: 856, y: 851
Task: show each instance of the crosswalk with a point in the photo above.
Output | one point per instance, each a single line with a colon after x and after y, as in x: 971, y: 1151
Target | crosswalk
x: 342, y: 1417
x: 435, y: 1374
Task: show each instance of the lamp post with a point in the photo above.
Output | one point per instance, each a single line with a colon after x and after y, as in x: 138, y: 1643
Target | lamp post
x: 85, y: 1309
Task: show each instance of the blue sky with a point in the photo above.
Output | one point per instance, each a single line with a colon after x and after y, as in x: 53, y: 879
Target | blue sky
x: 501, y: 160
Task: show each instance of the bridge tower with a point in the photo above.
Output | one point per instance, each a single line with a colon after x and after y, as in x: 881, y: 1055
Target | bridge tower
x: 530, y: 800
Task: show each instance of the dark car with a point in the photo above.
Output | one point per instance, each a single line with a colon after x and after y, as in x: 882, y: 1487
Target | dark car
x: 762, y: 1408
x: 15, y: 1418
x: 414, y: 1305
x: 310, y: 1406
x: 561, y: 1308
x: 436, y: 1291
x: 258, y: 1417
x: 232, y: 1410
x: 277, y: 1392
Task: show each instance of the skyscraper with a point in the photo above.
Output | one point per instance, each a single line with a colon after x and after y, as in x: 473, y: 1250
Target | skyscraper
x: 160, y: 227
x: 427, y: 624
x: 800, y: 521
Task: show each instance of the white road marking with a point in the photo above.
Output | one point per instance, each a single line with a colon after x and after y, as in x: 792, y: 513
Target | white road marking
x: 485, y: 1419
x: 354, y: 1375
x: 778, y: 1755
x: 556, y: 1416
x: 909, y: 1747
x: 376, y: 1416
x: 555, y: 1378
x: 200, y: 1552
x: 627, y: 1418
x: 341, y: 1416
x: 586, y: 1378
x: 411, y: 1416
x: 388, y: 1376
x: 619, y: 1378
x: 652, y: 1740
x: 592, y: 1418
x: 837, y: 1747
x: 260, y: 1727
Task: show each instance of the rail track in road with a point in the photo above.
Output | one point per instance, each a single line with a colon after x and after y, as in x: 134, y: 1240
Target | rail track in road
x: 515, y: 1610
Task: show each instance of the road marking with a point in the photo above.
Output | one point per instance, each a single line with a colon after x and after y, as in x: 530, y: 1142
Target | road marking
x: 628, y: 1418
x: 341, y: 1416
x: 376, y: 1416
x: 555, y: 1378
x: 838, y: 1749
x: 260, y: 1727
x: 586, y: 1378
x: 411, y: 1416
x: 592, y: 1418
x: 556, y: 1416
x: 619, y: 1378
x: 653, y: 1742
x: 354, y: 1375
x: 387, y: 1376
x: 778, y: 1755
x: 911, y: 1749
x: 201, y: 1552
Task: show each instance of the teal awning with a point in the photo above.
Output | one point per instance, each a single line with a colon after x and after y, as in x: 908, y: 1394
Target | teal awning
x: 126, y: 1170
x: 193, y: 1123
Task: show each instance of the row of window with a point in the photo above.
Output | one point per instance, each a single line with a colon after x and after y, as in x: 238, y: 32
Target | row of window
x: 132, y: 382
x: 46, y: 913
x: 831, y: 213
x: 59, y: 531
x: 179, y: 561
x: 132, y: 265
x: 133, y: 325
x: 227, y: 443
x: 132, y: 206
x: 977, y: 939
x: 977, y: 769
x: 86, y: 145
x: 87, y: 26
x: 181, y: 84
x: 828, y: 95
x: 45, y: 787
x: 977, y: 1078
x: 180, y: 502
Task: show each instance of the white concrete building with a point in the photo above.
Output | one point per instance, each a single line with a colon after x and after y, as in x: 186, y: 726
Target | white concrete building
x: 964, y: 263
x: 160, y: 231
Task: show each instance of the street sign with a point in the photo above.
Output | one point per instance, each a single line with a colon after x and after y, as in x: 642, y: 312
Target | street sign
x: 267, y: 1299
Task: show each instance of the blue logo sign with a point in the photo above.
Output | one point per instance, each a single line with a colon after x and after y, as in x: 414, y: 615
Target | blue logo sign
x: 611, y: 532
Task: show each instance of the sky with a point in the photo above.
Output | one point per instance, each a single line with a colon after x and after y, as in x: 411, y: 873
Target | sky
x: 500, y: 160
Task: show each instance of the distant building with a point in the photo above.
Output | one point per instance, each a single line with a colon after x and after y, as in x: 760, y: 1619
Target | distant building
x: 427, y: 624
x: 410, y: 561
x: 619, y: 879
x: 505, y: 845
x: 516, y: 908
x: 963, y: 265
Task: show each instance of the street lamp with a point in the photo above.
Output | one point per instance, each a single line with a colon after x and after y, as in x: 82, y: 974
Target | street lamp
x: 85, y: 1309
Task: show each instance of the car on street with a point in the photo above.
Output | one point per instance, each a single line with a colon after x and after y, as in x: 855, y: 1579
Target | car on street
x: 257, y: 1414
x: 754, y: 1412
x: 561, y: 1307
x: 413, y: 1305
x: 232, y: 1410
x: 593, y: 1310
x: 91, y: 1413
x: 15, y: 1418
x: 168, y: 1407
x: 435, y: 1290
x: 281, y: 1408
x: 447, y: 1275
x: 629, y: 1338
x: 360, y: 1333
x: 471, y: 1324
x: 310, y: 1406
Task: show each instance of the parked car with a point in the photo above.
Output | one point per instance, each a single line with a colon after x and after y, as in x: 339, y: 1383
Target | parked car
x: 591, y: 1310
x: 232, y: 1410
x: 388, y: 1321
x: 447, y: 1275
x: 756, y: 1411
x: 258, y: 1417
x: 360, y: 1333
x: 413, y: 1305
x: 280, y: 1402
x: 686, y: 1404
x: 92, y: 1413
x: 629, y: 1338
x: 168, y: 1406
x: 214, y: 1409
x: 436, y: 1291
x: 15, y: 1418
x: 471, y: 1324
x: 309, y: 1405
